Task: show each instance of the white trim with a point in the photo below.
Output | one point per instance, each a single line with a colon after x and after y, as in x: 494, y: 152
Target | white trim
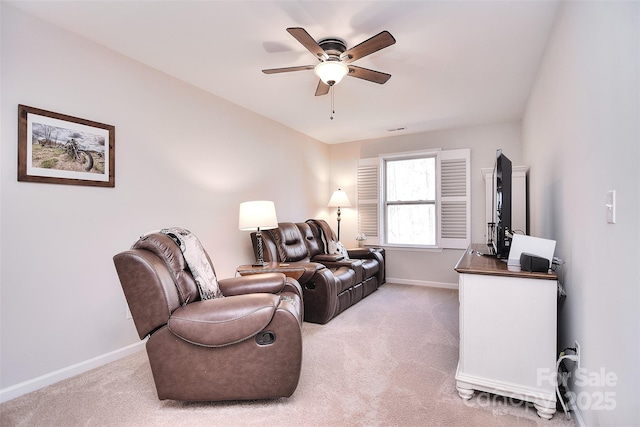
x: 42, y: 381
x: 575, y: 414
x: 403, y: 248
x: 506, y: 388
x: 410, y: 154
x: 426, y: 283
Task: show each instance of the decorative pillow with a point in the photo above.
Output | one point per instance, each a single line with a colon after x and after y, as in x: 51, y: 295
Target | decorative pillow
x: 337, y: 248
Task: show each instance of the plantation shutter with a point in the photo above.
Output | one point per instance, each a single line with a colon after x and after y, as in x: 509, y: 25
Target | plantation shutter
x: 368, y: 199
x: 455, y: 199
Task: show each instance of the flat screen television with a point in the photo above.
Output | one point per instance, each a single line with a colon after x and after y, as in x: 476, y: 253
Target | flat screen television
x: 502, y: 240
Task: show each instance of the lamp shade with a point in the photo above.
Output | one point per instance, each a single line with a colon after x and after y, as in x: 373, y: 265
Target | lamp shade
x: 339, y: 199
x: 331, y: 72
x: 259, y: 214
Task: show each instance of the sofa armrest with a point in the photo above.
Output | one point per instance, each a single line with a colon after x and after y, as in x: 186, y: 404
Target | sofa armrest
x: 376, y: 254
x: 322, y: 258
x: 271, y: 283
x: 361, y: 253
x: 223, y: 321
x: 367, y: 253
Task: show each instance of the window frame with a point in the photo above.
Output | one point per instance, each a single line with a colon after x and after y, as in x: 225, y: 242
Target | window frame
x: 453, y: 206
x: 384, y: 203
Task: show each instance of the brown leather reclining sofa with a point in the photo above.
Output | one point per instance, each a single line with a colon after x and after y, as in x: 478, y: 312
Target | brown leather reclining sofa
x: 330, y: 283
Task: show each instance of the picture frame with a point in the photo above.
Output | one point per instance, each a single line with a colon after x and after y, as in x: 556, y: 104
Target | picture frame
x: 60, y: 149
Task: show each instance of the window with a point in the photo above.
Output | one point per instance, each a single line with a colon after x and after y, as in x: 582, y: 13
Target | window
x: 418, y: 199
x: 410, y: 201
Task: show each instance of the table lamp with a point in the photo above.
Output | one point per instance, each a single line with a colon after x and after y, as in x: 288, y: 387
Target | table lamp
x: 257, y: 216
x: 339, y: 199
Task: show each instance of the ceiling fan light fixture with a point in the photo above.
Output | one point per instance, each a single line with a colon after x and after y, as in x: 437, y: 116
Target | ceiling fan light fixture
x: 331, y: 71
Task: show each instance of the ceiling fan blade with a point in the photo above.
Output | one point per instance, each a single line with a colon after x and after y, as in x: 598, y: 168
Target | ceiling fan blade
x: 370, y: 75
x: 288, y: 69
x: 307, y: 41
x: 367, y: 47
x: 322, y: 88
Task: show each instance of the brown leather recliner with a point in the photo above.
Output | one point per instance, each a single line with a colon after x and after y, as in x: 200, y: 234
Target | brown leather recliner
x: 247, y: 345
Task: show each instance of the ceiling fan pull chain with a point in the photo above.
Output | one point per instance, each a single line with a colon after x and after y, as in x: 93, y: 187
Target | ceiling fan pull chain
x: 333, y: 111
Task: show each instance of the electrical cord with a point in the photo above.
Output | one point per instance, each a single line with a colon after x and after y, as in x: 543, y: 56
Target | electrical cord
x: 562, y: 357
x: 557, y: 265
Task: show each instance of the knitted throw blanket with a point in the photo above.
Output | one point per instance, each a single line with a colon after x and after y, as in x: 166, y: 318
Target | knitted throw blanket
x: 197, y: 261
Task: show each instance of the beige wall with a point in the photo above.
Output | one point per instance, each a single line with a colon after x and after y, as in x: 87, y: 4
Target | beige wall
x: 581, y: 139
x: 183, y: 158
x: 426, y: 266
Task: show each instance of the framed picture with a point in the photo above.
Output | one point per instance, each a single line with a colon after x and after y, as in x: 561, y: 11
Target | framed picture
x: 60, y: 149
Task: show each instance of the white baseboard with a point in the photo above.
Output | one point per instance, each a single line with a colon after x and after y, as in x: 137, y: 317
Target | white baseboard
x: 37, y: 383
x: 422, y: 283
x: 575, y: 414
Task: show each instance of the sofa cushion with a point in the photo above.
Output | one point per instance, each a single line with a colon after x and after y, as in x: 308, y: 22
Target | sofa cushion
x: 370, y: 267
x: 290, y: 242
x: 313, y: 242
x: 346, y: 277
x: 222, y: 322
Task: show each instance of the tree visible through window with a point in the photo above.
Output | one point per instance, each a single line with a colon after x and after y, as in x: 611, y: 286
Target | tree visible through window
x: 410, y: 201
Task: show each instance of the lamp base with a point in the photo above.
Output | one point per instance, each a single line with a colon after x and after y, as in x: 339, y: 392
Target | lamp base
x: 260, y: 264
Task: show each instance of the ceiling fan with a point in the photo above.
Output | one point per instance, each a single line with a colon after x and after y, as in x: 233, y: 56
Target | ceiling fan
x: 334, y: 55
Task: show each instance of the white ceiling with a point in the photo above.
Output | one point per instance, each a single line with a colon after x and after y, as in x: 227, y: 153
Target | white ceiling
x: 455, y: 63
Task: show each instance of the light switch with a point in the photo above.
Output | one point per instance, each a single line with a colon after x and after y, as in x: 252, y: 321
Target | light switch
x: 611, y: 206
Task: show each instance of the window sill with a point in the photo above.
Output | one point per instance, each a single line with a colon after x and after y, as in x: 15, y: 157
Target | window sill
x: 400, y: 248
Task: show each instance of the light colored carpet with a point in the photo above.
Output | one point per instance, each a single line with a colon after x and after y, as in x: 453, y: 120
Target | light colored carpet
x: 390, y: 360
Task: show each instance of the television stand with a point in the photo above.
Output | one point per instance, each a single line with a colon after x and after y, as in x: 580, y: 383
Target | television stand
x: 507, y: 331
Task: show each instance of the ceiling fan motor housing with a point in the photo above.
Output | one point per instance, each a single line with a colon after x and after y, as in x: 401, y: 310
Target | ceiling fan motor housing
x: 333, y: 46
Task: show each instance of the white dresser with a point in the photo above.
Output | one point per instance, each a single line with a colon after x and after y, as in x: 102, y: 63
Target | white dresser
x: 508, y: 325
